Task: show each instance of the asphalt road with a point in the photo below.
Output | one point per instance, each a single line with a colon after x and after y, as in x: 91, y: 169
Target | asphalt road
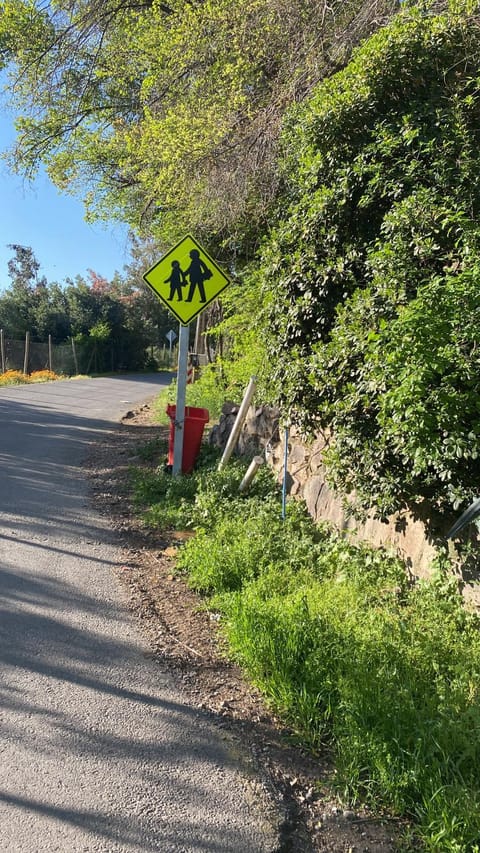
x: 97, y: 750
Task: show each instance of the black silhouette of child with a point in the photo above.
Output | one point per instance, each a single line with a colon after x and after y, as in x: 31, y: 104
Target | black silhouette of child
x: 177, y: 280
x: 197, y: 272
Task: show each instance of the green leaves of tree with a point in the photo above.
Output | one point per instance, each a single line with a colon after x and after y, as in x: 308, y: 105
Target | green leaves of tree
x: 168, y: 115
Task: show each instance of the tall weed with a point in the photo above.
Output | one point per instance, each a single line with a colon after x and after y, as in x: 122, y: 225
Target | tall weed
x: 388, y: 675
x: 200, y: 499
x: 246, y: 539
x: 208, y: 392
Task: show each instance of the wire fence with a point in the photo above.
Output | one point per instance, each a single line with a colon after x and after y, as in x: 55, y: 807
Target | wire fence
x: 74, y: 358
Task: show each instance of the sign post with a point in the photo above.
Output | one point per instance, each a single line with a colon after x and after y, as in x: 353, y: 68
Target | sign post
x: 186, y: 279
x: 181, y: 397
x: 171, y: 337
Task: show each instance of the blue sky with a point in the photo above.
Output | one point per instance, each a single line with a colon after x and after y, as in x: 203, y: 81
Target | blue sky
x: 52, y: 224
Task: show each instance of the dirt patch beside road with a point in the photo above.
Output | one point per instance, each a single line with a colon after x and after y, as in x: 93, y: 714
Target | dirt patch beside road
x: 184, y: 638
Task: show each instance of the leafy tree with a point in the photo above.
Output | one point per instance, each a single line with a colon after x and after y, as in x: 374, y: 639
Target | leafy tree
x: 14, y: 318
x: 168, y: 114
x: 111, y: 314
x: 51, y: 316
x: 23, y: 269
x: 99, y: 313
x: 19, y: 304
x: 145, y: 314
x: 83, y: 306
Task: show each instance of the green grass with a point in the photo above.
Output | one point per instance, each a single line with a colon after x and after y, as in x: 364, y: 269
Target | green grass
x: 207, y: 392
x: 384, y: 673
x: 153, y: 450
x: 193, y: 500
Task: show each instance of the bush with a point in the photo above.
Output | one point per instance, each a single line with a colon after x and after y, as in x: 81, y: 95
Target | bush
x: 408, y: 428
x: 378, y: 243
x: 42, y: 376
x: 13, y: 377
x: 16, y: 377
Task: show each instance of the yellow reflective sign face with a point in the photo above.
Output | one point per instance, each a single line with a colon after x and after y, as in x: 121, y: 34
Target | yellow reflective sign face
x: 186, y: 280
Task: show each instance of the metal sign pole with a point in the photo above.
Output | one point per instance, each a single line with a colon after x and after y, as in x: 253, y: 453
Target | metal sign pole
x: 181, y: 396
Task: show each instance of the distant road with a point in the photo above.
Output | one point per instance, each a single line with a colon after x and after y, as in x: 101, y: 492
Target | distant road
x: 97, y: 750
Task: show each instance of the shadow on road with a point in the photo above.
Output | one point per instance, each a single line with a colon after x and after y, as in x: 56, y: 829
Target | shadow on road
x: 156, y: 756
x: 94, y: 742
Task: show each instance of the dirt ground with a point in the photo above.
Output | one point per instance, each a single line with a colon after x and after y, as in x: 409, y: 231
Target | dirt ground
x: 184, y: 638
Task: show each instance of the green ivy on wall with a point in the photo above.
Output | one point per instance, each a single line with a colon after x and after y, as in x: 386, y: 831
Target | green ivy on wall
x: 369, y: 278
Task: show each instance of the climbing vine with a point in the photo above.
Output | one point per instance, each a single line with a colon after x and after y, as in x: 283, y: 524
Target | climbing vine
x: 370, y: 276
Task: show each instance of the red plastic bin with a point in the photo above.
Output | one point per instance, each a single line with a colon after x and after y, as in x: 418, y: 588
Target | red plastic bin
x: 194, y: 424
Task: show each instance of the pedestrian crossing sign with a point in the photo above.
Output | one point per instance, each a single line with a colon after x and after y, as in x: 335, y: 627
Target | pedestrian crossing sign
x: 186, y: 279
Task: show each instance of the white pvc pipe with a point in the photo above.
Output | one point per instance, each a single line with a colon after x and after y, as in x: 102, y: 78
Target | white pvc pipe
x: 242, y: 414
x: 285, y: 475
x: 255, y: 464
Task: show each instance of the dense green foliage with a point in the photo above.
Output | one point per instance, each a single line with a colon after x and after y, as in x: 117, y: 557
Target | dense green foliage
x: 167, y: 114
x: 354, y: 657
x: 370, y: 304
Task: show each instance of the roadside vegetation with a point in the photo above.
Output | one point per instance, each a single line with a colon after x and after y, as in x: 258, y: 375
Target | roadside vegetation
x: 367, y: 283
x: 209, y: 394
x: 16, y: 377
x: 355, y: 657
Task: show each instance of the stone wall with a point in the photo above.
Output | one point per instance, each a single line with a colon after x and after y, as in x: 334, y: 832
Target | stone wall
x: 306, y: 478
x: 260, y: 430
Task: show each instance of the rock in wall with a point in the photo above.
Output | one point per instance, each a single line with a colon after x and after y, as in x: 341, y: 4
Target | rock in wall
x: 259, y: 431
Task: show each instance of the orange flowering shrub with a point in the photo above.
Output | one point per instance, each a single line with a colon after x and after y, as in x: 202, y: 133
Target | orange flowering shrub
x: 16, y: 377
x: 42, y: 376
x: 13, y: 377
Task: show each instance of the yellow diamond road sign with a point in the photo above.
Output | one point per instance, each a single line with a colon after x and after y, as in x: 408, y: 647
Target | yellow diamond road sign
x: 186, y: 280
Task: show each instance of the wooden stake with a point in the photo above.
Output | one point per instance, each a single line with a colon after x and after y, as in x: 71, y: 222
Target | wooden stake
x: 27, y: 353
x: 75, y: 357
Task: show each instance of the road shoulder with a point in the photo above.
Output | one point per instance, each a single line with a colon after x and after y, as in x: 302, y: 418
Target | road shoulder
x: 184, y: 639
